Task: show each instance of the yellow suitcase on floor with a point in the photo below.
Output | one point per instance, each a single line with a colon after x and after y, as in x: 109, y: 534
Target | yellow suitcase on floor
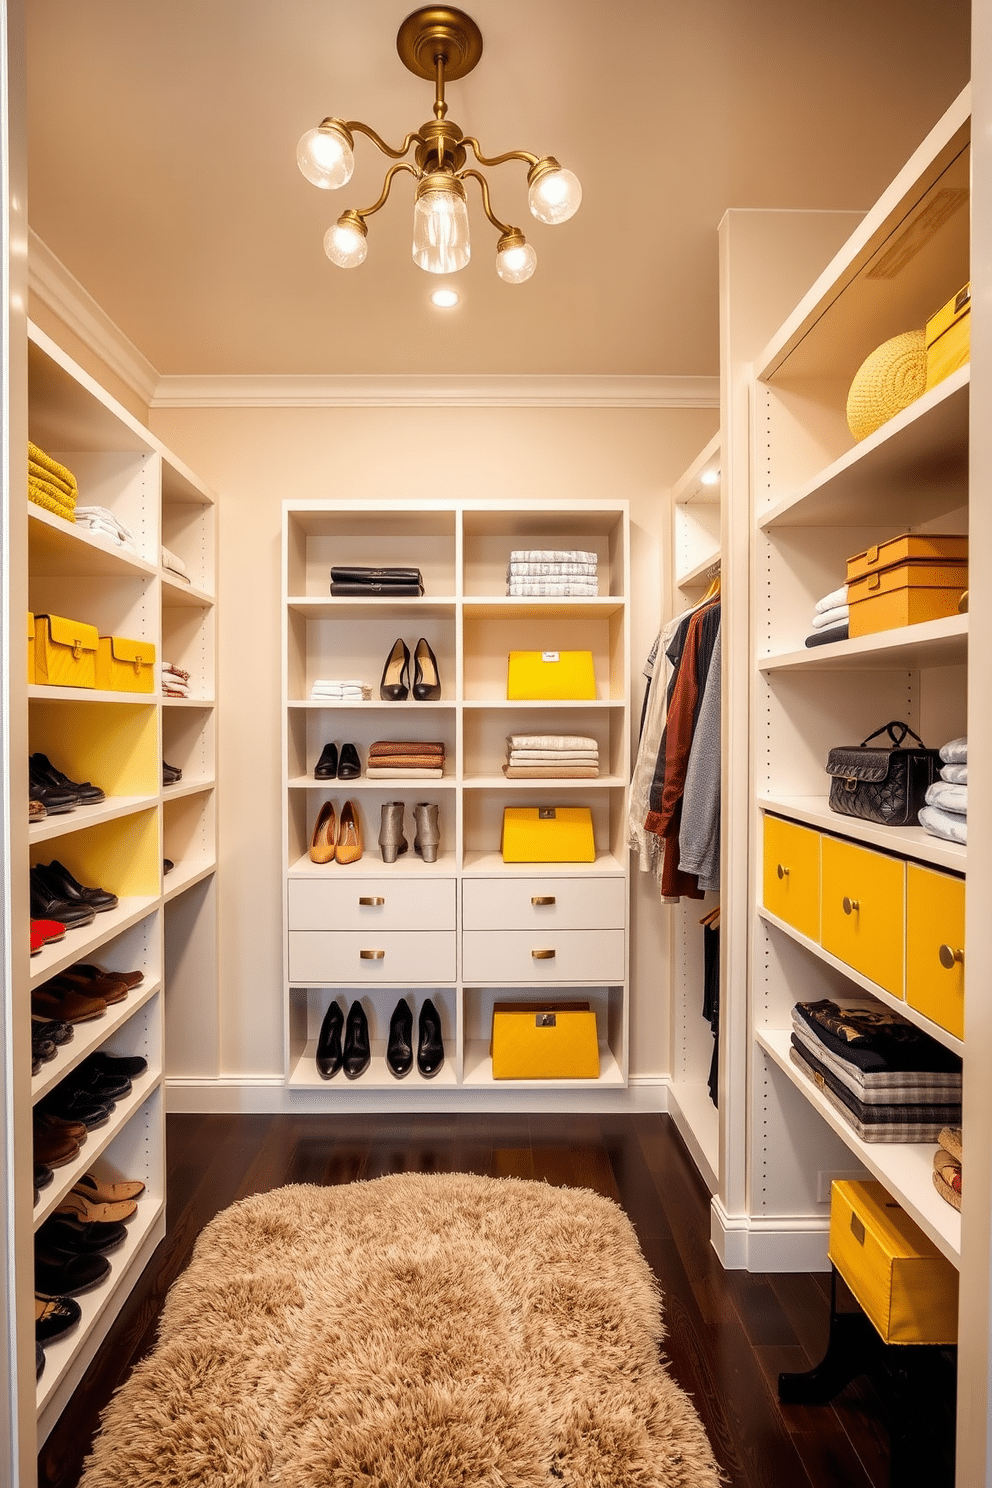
x: 544, y: 1041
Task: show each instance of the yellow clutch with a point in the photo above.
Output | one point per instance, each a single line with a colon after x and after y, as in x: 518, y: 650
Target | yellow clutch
x: 547, y: 834
x: 544, y: 1041
x: 550, y: 675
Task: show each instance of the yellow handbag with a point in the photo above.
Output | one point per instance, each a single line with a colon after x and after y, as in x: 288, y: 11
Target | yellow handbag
x: 30, y: 647
x: 65, y: 652
x: 125, y: 665
x: 544, y: 1041
x: 547, y: 834
x: 550, y: 675
x: 949, y: 337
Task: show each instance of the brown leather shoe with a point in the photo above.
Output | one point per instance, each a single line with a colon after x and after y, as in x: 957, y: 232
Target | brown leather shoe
x: 68, y: 1007
x: 54, y: 1144
x: 130, y: 979
x: 110, y: 988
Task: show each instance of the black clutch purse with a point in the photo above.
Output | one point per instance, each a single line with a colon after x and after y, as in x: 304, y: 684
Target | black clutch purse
x: 380, y: 577
x: 886, y: 784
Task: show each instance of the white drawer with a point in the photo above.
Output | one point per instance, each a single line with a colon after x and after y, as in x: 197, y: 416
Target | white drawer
x: 559, y: 903
x: 317, y: 956
x: 494, y: 956
x: 371, y: 903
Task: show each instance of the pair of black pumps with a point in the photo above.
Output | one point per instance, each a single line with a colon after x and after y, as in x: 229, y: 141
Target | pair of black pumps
x: 355, y: 1055
x: 332, y: 766
x: 395, y: 684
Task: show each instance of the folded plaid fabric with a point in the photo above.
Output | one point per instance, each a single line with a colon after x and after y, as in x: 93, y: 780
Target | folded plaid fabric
x: 878, y: 1113
x: 545, y: 588
x: 874, y: 1130
x: 874, y: 1038
x: 883, y: 1088
x: 522, y: 570
x: 551, y: 555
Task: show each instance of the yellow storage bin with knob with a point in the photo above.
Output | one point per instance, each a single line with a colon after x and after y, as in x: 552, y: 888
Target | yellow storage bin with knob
x: 64, y: 652
x: 791, y: 875
x: 935, y: 946
x: 862, y: 920
x: 544, y: 1041
x: 125, y: 665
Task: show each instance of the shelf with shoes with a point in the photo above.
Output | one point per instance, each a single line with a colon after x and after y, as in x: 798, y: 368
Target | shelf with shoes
x: 608, y: 1003
x: 308, y: 1008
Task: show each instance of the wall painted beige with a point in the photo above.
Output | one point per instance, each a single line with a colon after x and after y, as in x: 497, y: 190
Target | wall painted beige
x: 254, y: 458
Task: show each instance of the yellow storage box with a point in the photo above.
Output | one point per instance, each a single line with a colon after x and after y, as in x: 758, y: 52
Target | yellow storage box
x: 64, y: 652
x: 909, y: 547
x: 544, y: 1041
x: 31, y: 629
x: 550, y: 676
x: 905, y: 1285
x: 125, y: 665
x: 905, y: 594
x: 949, y: 337
x: 547, y: 834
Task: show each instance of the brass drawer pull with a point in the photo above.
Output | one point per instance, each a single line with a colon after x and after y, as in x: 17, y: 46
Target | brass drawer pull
x: 782, y: 871
x: 371, y: 955
x: 542, y: 899
x: 949, y: 956
x: 373, y: 899
x: 850, y: 906
x: 543, y: 955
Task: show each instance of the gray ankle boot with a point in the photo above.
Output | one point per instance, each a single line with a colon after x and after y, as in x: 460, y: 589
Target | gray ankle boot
x: 428, y: 835
x: 391, y: 839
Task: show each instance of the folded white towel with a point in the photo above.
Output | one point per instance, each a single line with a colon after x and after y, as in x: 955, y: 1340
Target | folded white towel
x: 955, y: 751
x: 548, y: 588
x: 948, y: 797
x: 954, y: 774
x: 551, y: 571
x: 551, y: 741
x: 554, y: 756
x: 832, y: 600
x: 831, y: 617
x: 393, y: 772
x: 950, y: 825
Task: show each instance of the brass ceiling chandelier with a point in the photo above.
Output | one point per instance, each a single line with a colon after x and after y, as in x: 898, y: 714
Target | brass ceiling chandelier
x: 440, y: 44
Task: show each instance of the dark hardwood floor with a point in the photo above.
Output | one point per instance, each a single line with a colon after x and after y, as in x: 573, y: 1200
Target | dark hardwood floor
x: 729, y: 1333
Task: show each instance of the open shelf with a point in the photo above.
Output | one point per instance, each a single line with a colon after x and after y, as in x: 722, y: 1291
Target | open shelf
x: 64, y: 822
x: 932, y: 643
x: 89, y: 1036
x: 304, y: 1076
x: 478, y: 1071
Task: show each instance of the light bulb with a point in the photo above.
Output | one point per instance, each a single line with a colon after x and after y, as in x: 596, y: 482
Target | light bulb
x: 346, y: 244
x: 444, y: 299
x: 710, y: 478
x: 440, y: 225
x: 555, y: 196
x: 325, y: 157
x: 515, y: 261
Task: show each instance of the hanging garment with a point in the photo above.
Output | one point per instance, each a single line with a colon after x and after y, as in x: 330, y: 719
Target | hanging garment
x: 699, y: 834
x: 711, y: 1001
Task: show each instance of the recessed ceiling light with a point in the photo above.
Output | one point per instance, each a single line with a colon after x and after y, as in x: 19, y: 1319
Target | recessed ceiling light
x: 444, y: 298
x: 710, y: 478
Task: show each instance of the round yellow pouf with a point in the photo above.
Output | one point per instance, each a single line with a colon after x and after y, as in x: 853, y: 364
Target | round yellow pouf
x: 887, y: 382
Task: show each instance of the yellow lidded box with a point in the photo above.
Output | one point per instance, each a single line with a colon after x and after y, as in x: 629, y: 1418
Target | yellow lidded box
x: 64, y: 652
x: 932, y: 547
x: 905, y: 594
x: 125, y: 665
x: 544, y: 1041
x: 550, y: 676
x: 905, y: 1285
x: 547, y: 834
x: 30, y: 647
x: 948, y: 337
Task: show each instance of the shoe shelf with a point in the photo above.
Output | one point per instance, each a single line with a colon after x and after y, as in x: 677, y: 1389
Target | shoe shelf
x: 180, y: 596
x: 303, y: 1074
x: 83, y: 944
x: 90, y: 1036
x: 346, y: 788
x: 407, y: 612
x: 905, y: 842
x: 171, y: 704
x: 184, y: 876
x: 194, y: 786
x: 409, y: 865
x: 64, y: 824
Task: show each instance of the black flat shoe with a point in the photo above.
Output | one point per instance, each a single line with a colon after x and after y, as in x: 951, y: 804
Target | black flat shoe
x: 64, y: 1232
x: 430, y: 1046
x: 42, y: 767
x: 58, y: 1274
x: 61, y: 881
x: 54, y: 1316
x: 426, y: 682
x: 329, y: 1056
x: 357, y: 1050
x: 349, y: 766
x: 46, y: 905
x: 399, y: 1049
x: 395, y: 684
x: 326, y: 767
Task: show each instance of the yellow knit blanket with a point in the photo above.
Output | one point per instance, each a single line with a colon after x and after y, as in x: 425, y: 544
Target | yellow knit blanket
x: 47, y: 496
x: 51, y: 468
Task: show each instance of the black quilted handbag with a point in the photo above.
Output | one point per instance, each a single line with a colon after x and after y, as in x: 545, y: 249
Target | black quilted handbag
x: 886, y: 784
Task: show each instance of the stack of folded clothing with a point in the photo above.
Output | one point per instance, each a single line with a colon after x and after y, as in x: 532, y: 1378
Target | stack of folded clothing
x: 366, y: 583
x: 175, y: 682
x: 175, y: 565
x: 947, y: 1164
x: 50, y: 485
x: 946, y: 811
x: 830, y: 618
x: 100, y: 519
x: 887, y: 1079
x: 544, y: 571
x: 391, y: 759
x: 327, y: 690
x: 551, y: 757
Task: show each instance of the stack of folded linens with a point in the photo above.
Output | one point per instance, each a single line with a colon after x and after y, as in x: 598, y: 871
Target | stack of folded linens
x: 101, y: 520
x: 831, y: 616
x: 888, y: 1080
x: 394, y: 759
x: 947, y: 1164
x: 175, y: 682
x: 50, y: 485
x: 551, y: 757
x: 548, y: 571
x: 946, y: 811
x: 329, y: 690
x: 366, y: 583
x: 175, y: 565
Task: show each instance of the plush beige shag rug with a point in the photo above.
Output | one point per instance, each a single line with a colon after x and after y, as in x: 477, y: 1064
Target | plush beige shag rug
x: 417, y: 1331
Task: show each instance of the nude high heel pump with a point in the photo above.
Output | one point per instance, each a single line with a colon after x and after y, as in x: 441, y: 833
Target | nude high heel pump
x: 350, y: 846
x: 323, y: 844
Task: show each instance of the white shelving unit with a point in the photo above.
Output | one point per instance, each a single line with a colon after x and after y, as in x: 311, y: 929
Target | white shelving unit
x: 453, y: 950
x: 117, y: 740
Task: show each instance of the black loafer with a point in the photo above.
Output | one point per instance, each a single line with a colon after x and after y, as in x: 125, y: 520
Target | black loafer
x: 329, y: 1055
x: 43, y: 769
x: 430, y: 1046
x: 61, y: 881
x: 58, y: 1274
x: 64, y: 1232
x: 53, y: 1316
x: 357, y: 1050
x: 326, y: 767
x: 399, y: 1049
x: 349, y: 766
x: 116, y: 1064
x: 45, y: 905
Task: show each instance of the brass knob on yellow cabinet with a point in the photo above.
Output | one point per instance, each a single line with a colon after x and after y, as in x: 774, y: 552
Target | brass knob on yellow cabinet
x: 371, y: 955
x: 782, y: 871
x: 850, y: 906
x: 373, y: 899
x: 543, y: 955
x: 542, y: 899
x: 949, y: 957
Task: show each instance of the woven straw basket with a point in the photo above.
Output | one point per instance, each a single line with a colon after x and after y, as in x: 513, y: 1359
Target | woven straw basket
x: 887, y: 382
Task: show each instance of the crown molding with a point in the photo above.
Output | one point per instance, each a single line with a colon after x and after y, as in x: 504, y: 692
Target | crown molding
x: 62, y: 293
x: 363, y: 391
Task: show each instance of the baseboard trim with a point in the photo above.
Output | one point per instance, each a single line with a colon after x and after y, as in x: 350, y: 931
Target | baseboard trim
x: 267, y: 1095
x: 751, y: 1243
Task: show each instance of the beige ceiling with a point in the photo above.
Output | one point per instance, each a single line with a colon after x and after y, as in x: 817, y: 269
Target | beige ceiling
x: 162, y: 168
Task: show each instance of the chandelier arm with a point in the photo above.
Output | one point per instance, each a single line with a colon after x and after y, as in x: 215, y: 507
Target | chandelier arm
x: 502, y: 227
x: 523, y: 155
x: 357, y: 127
x: 393, y: 170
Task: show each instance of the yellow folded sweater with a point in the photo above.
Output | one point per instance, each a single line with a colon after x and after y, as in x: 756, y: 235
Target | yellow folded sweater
x: 52, y: 467
x: 44, y: 495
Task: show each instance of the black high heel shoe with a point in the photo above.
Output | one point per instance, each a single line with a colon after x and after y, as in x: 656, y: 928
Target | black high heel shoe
x: 430, y: 1044
x: 395, y: 684
x: 357, y: 1049
x: 399, y: 1047
x: 426, y: 682
x: 329, y: 1056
